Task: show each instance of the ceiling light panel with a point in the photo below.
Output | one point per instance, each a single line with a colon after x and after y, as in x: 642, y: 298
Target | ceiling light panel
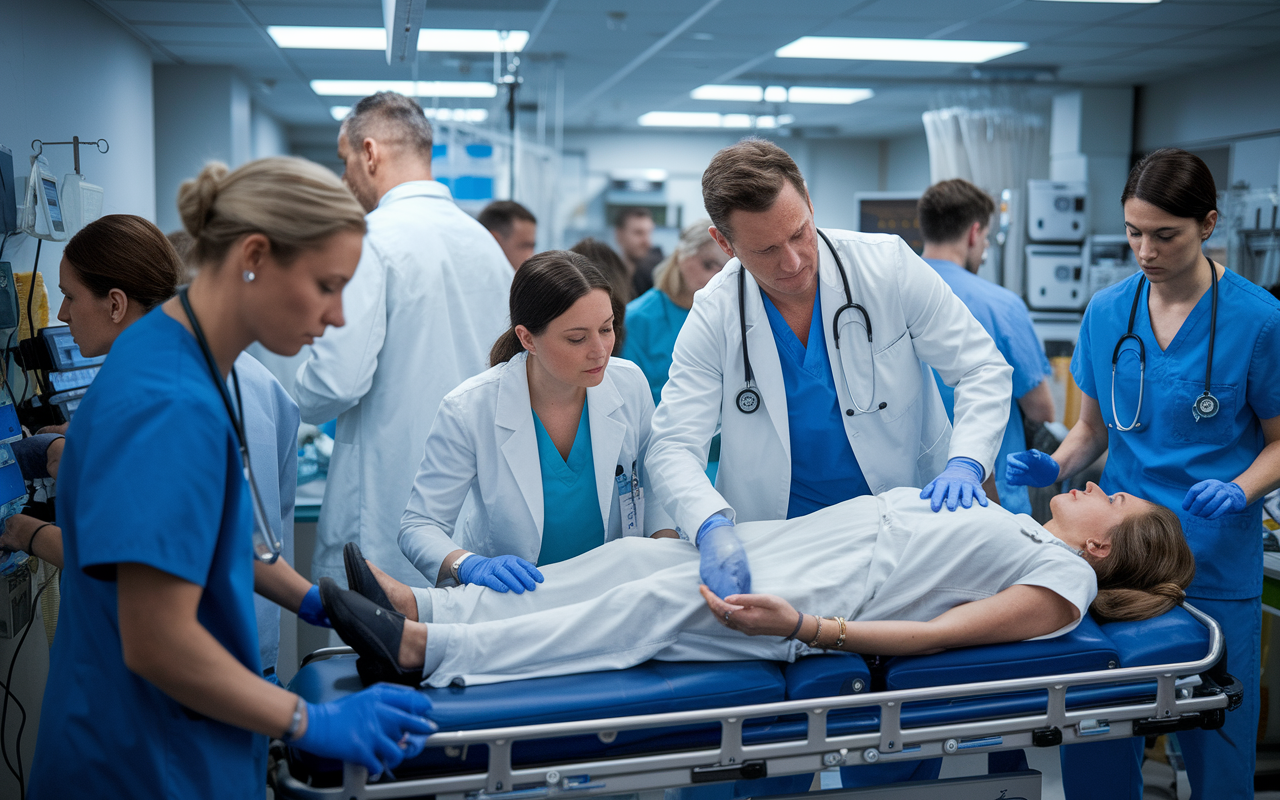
x: 922, y: 50
x: 744, y: 94
x: 780, y: 94
x: 711, y: 119
x: 828, y: 95
x: 342, y: 88
x: 429, y: 39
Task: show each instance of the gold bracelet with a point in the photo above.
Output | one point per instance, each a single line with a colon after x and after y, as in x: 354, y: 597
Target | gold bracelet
x: 818, y: 634
x: 839, y: 642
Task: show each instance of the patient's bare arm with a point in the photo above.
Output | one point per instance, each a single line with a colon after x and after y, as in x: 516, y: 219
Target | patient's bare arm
x: 1017, y: 613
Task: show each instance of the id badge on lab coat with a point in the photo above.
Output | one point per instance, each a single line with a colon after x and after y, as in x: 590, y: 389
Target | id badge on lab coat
x: 630, y: 502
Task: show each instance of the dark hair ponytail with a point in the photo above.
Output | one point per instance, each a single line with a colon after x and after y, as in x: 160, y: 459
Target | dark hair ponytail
x: 1175, y: 182
x: 125, y: 252
x: 545, y: 287
x: 1149, y: 567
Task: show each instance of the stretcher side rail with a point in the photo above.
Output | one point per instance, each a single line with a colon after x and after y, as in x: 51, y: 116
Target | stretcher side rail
x: 817, y: 749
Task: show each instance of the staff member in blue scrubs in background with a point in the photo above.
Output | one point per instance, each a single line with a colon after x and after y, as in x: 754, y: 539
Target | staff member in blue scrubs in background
x: 954, y: 217
x: 547, y: 446
x: 655, y: 317
x: 1211, y: 453
x: 154, y: 681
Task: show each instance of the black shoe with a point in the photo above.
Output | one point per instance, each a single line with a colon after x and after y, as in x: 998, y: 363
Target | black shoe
x: 360, y: 577
x: 373, y: 631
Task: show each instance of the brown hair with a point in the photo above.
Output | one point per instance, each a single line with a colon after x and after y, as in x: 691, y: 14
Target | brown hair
x: 545, y: 287
x: 1174, y: 181
x: 628, y: 214
x: 1149, y: 567
x: 610, y: 263
x: 295, y: 203
x: 670, y: 280
x: 747, y: 176
x: 121, y: 251
x: 500, y: 215
x: 948, y: 208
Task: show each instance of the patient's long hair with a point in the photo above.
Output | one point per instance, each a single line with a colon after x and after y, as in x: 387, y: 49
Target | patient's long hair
x: 1149, y: 567
x: 545, y: 287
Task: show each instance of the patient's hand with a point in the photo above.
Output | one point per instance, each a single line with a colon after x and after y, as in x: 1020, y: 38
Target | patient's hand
x: 753, y: 614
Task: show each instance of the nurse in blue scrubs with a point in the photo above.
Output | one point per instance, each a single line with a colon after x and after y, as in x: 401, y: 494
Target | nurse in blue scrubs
x: 541, y: 457
x: 1195, y: 428
x: 654, y: 318
x: 155, y: 686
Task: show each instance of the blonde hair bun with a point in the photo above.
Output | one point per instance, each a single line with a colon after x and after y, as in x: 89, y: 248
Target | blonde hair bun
x: 197, y: 196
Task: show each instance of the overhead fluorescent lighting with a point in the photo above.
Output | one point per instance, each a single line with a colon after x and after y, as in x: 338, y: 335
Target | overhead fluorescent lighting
x: 923, y: 50
x: 711, y: 119
x: 828, y: 94
x: 339, y: 112
x: 781, y: 94
x: 303, y: 37
x: 743, y: 94
x: 335, y: 88
x: 457, y: 114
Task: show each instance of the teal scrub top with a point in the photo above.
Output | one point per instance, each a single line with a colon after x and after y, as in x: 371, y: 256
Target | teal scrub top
x: 653, y: 322
x: 571, y: 521
x: 1005, y: 317
x: 1171, y: 451
x: 824, y: 470
x: 151, y: 475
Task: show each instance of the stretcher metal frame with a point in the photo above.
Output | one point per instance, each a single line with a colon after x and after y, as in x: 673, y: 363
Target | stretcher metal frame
x: 1203, y: 703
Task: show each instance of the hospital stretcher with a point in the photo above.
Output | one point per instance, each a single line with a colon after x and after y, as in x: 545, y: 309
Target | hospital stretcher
x: 664, y: 724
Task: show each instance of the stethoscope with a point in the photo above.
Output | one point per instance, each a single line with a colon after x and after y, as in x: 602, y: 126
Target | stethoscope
x: 1206, y: 405
x: 748, y: 399
x: 266, y: 547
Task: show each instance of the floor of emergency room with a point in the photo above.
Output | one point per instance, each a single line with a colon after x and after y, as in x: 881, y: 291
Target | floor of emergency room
x: 1161, y: 781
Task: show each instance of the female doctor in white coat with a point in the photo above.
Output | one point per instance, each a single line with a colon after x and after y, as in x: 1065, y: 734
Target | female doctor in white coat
x: 550, y: 442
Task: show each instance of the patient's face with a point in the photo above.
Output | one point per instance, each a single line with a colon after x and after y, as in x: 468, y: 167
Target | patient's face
x: 1092, y: 513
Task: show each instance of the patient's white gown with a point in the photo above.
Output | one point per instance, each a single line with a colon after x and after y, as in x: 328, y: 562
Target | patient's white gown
x: 635, y: 599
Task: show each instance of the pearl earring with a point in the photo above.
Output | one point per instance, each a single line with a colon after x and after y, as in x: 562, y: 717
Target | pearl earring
x: 249, y: 276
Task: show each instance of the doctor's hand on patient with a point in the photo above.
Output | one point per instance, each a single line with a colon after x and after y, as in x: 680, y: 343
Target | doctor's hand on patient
x: 1030, y: 468
x: 1211, y: 499
x: 501, y: 573
x: 960, y: 483
x: 724, y: 567
x: 753, y: 614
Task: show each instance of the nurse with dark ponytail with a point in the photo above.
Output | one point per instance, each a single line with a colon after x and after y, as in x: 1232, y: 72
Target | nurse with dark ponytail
x: 1178, y: 368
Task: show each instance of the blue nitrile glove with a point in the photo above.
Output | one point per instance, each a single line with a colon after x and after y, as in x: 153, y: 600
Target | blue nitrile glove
x: 501, y: 574
x: 724, y: 567
x: 378, y: 727
x: 1030, y: 468
x: 1211, y: 499
x: 960, y: 482
x: 311, y: 609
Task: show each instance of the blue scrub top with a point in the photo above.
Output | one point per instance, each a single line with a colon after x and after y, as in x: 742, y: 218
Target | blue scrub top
x: 151, y: 475
x: 653, y: 322
x: 1005, y: 318
x: 824, y: 470
x: 1171, y: 451
x: 571, y: 521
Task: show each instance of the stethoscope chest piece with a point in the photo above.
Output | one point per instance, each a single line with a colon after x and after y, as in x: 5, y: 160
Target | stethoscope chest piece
x: 1206, y: 406
x: 748, y: 400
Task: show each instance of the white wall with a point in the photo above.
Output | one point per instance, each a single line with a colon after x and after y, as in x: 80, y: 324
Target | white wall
x: 103, y: 91
x: 69, y: 71
x: 266, y: 135
x: 907, y: 168
x: 1215, y: 104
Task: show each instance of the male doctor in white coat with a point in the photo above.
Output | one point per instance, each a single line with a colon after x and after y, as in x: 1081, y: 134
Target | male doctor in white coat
x: 426, y: 303
x: 824, y: 412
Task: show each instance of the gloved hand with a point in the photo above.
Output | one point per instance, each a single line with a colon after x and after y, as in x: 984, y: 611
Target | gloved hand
x: 378, y: 727
x: 502, y: 574
x: 1030, y: 468
x: 312, y: 611
x: 960, y: 482
x: 724, y: 567
x: 1211, y: 499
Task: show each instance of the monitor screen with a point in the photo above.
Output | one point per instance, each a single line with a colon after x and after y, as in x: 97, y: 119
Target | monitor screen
x: 885, y: 215
x: 55, y: 210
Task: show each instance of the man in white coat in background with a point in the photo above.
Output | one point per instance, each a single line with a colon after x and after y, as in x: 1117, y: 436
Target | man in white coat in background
x: 428, y: 300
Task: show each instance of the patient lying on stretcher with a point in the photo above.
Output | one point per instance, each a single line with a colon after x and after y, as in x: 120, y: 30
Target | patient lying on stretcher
x: 874, y: 575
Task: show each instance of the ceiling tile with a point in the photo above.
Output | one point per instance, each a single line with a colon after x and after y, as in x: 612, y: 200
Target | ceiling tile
x: 1207, y: 14
x: 928, y: 9
x: 1125, y: 34
x: 1234, y: 37
x: 141, y: 11
x: 204, y: 34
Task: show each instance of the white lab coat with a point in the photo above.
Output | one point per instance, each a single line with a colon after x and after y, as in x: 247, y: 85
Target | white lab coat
x: 484, y: 443
x: 428, y: 300
x: 915, y: 317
